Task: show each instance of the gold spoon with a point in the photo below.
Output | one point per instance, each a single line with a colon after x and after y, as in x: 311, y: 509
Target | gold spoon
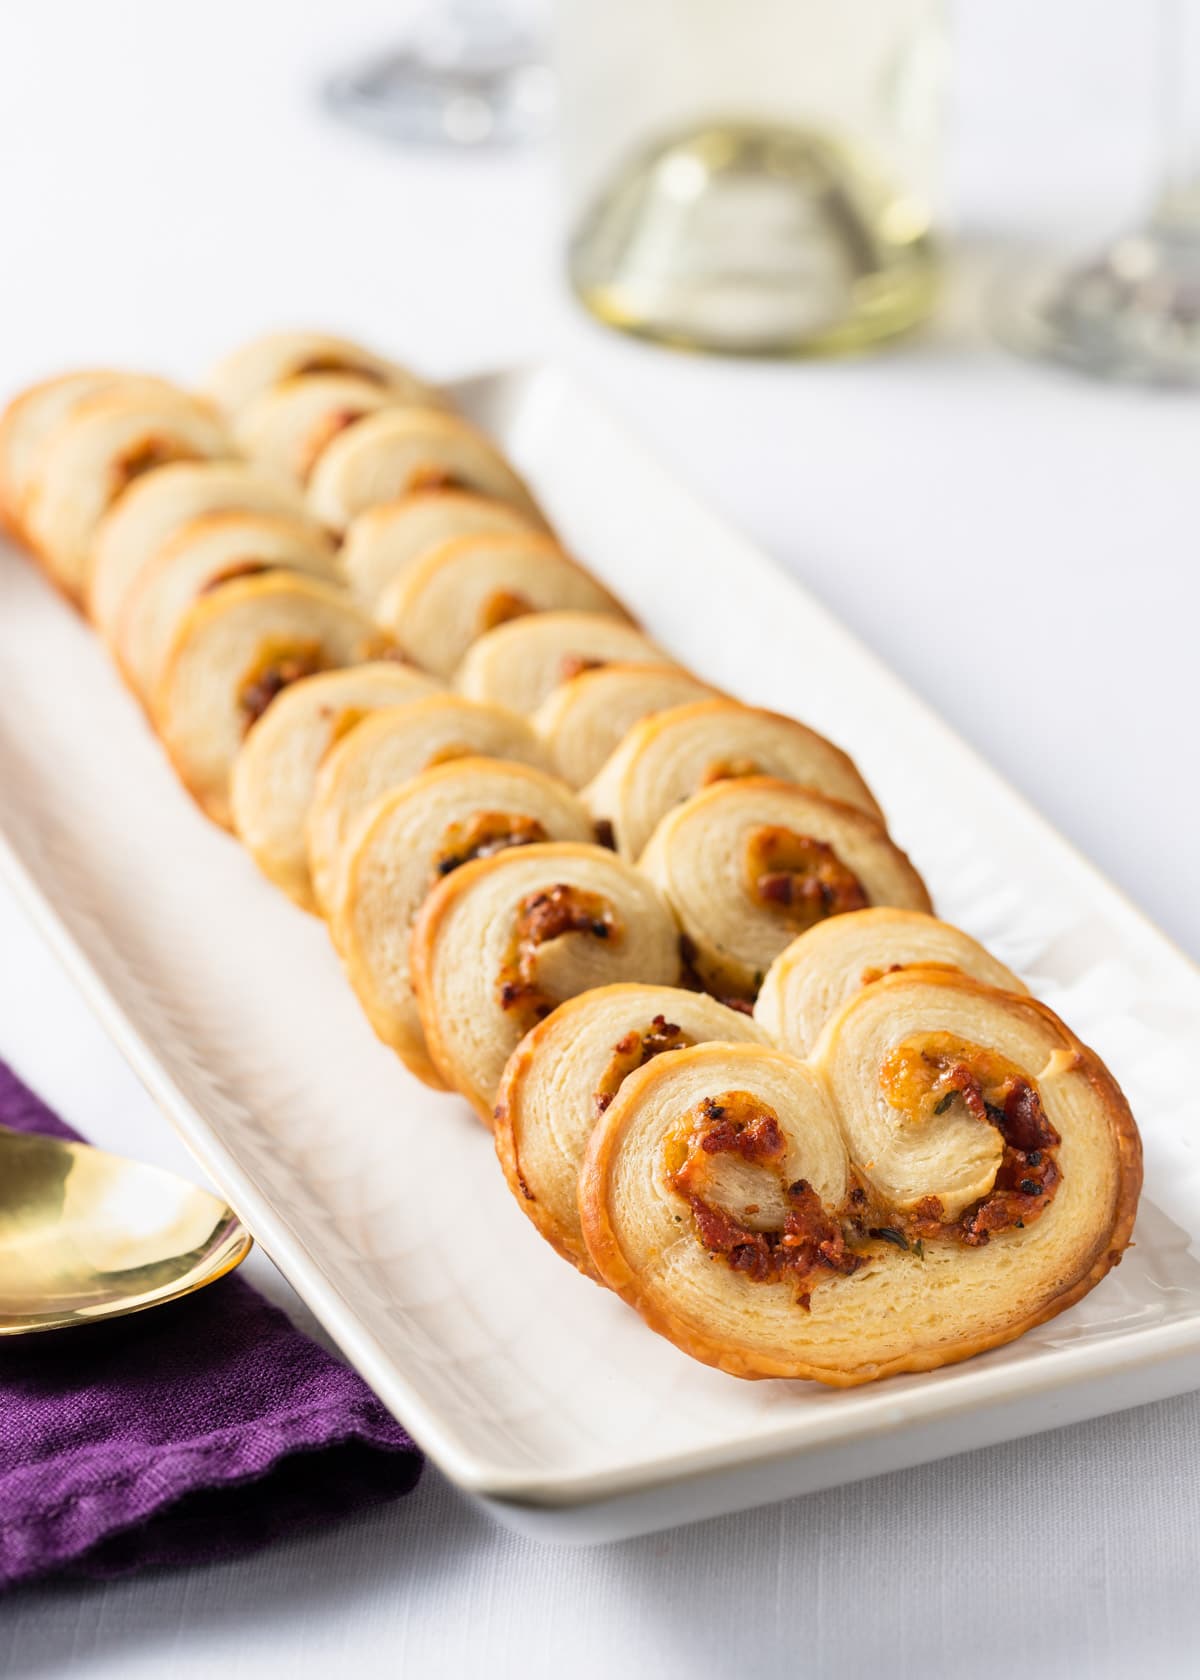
x: 85, y: 1235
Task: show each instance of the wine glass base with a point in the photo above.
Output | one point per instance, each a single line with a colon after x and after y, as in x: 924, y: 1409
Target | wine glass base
x: 1131, y: 313
x: 498, y: 98
x: 755, y: 239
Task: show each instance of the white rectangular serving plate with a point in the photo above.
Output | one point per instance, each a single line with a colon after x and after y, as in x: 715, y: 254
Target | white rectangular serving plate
x: 381, y: 1201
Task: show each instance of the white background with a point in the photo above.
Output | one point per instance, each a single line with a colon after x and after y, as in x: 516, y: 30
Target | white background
x: 1022, y: 547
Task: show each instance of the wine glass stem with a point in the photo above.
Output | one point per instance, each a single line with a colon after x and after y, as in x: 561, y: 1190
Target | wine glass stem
x: 1178, y: 98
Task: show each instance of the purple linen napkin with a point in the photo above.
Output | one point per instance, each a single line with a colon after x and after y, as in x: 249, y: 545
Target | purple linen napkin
x: 194, y: 1431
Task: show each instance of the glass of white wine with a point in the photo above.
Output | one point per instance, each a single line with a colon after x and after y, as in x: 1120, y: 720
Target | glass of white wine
x: 1132, y: 311
x: 758, y: 177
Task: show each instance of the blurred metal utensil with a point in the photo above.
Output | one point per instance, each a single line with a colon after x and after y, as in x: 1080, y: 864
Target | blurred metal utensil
x: 470, y: 75
x: 1132, y: 311
x: 85, y: 1235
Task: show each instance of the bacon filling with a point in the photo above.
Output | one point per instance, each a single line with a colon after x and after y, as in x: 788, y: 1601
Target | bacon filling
x: 339, y: 364
x: 279, y: 665
x: 632, y: 1051
x: 728, y: 770
x: 575, y: 664
x: 236, y: 569
x: 548, y: 914
x: 431, y: 477
x: 502, y: 606
x: 481, y: 835
x: 799, y: 878
x: 924, y: 1076
x: 331, y: 425
x: 810, y: 1245
x: 143, y: 458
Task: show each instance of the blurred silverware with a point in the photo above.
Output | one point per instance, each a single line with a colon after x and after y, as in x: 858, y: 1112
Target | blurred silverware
x: 1133, y: 310
x: 471, y: 74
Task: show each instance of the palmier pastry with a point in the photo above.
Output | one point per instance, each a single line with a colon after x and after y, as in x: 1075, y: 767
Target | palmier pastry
x: 711, y: 1197
x: 953, y: 1170
x: 387, y: 749
x: 96, y: 453
x: 286, y: 427
x: 821, y: 970
x: 585, y: 719
x: 234, y: 651
x: 749, y: 863
x: 445, y: 601
x: 400, y: 450
x: 565, y: 1073
x: 275, y: 357
x: 275, y: 771
x: 412, y: 839
x: 505, y: 939
x: 204, y: 553
x: 382, y: 541
x: 675, y: 753
x: 995, y: 1143
x: 35, y: 414
x: 152, y: 510
x: 519, y: 663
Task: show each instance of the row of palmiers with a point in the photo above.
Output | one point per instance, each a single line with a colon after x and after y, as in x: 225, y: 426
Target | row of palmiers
x: 322, y: 795
x: 469, y: 907
x: 123, y: 484
x: 217, y: 585
x: 216, y: 582
x: 218, y: 591
x: 900, y: 1161
x: 217, y: 588
x: 311, y: 413
x: 209, y: 642
x: 308, y: 774
x: 240, y: 644
x: 437, y: 569
x: 765, y: 1214
x: 158, y: 520
x: 399, y: 818
x: 71, y: 446
x: 326, y: 800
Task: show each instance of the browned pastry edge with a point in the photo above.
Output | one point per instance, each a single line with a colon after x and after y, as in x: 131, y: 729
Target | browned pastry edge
x: 605, y: 1250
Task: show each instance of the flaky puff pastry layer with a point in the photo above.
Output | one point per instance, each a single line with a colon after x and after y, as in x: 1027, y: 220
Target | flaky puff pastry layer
x: 903, y: 1307
x: 383, y: 541
x: 667, y: 757
x: 235, y: 649
x: 822, y: 969
x: 563, y: 1076
x: 585, y: 719
x: 96, y: 455
x: 275, y: 772
x: 34, y: 415
x: 518, y: 664
x: 734, y: 864
x: 492, y: 930
x: 400, y: 450
x: 388, y: 748
x: 288, y: 427
x: 456, y: 593
x: 211, y: 549
x: 135, y: 531
x: 413, y: 838
x: 263, y: 362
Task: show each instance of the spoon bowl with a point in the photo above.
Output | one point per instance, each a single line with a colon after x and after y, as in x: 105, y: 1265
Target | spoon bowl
x: 85, y: 1235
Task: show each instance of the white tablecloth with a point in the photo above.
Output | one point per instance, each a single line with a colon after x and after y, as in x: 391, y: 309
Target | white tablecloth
x: 1020, y: 546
